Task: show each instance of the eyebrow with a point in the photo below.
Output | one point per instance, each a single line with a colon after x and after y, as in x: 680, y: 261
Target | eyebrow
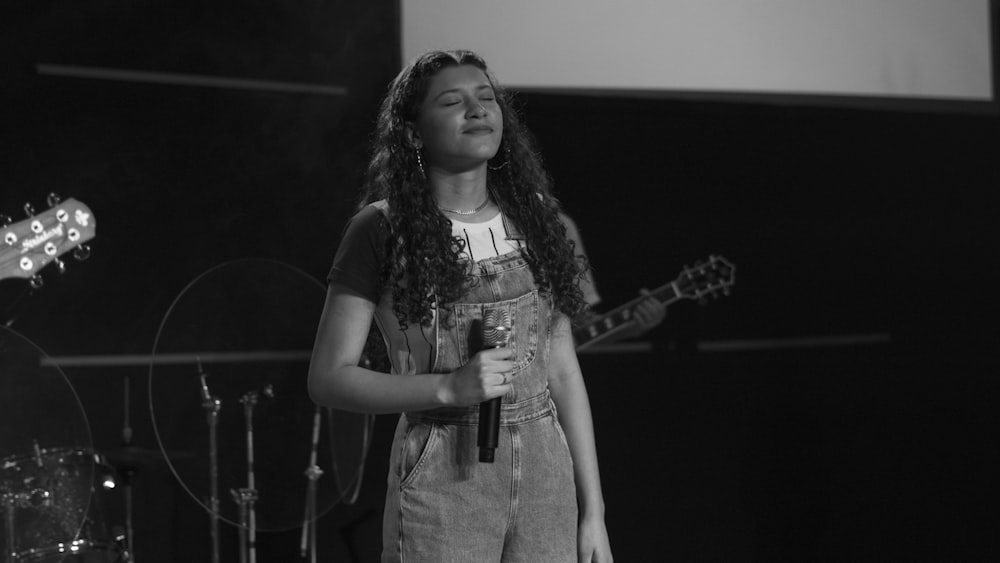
x: 479, y: 88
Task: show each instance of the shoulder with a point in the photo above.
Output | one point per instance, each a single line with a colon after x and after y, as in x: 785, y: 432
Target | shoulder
x: 366, y: 231
x: 361, y: 253
x: 370, y: 219
x: 566, y: 219
x: 572, y: 231
x: 372, y: 211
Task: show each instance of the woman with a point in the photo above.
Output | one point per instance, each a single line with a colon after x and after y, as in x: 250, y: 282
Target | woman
x: 456, y: 219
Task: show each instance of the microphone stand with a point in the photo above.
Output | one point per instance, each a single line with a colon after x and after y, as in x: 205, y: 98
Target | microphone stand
x: 212, y: 405
x: 313, y: 473
x: 246, y: 497
x: 127, y: 473
x: 9, y: 504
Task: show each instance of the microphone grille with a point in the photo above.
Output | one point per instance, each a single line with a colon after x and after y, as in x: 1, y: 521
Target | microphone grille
x: 496, y: 327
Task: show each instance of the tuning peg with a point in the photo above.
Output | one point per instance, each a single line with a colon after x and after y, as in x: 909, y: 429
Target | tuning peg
x: 29, y: 209
x: 53, y: 199
x: 81, y: 252
x: 36, y: 281
x: 60, y: 265
x: 5, y: 220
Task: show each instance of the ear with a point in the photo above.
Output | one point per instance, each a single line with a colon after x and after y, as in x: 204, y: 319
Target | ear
x: 413, y: 136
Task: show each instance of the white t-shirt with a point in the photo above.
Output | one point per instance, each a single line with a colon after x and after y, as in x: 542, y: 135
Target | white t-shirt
x: 484, y: 240
x: 489, y: 238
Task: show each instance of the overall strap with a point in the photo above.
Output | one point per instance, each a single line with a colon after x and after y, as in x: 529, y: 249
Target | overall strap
x: 513, y: 233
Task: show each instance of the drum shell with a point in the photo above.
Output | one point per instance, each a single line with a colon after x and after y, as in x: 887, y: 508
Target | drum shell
x: 59, y: 515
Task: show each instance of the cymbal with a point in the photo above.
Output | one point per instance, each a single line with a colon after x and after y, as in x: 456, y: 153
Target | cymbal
x: 134, y: 456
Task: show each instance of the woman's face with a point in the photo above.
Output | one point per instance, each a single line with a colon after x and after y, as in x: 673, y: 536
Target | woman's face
x: 459, y: 124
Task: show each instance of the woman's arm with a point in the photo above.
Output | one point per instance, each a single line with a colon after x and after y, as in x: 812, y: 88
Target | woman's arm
x: 336, y: 380
x: 570, y: 396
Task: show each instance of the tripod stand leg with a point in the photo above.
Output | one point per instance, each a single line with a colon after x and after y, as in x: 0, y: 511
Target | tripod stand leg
x: 8, y: 519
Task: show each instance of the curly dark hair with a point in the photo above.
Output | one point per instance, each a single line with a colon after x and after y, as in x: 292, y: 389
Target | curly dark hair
x: 423, y: 266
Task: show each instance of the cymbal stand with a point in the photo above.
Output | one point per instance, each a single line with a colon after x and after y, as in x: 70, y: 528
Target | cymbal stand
x: 127, y: 473
x: 9, y: 501
x: 212, y: 405
x: 246, y: 497
x: 307, y: 547
x: 120, y: 541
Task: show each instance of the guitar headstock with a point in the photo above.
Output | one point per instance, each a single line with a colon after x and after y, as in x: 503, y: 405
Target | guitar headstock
x: 706, y: 278
x: 29, y: 245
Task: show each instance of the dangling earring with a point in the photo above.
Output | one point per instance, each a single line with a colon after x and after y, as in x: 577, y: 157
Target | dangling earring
x: 420, y: 165
x: 506, y: 159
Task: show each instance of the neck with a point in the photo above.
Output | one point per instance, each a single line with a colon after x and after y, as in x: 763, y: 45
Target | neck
x: 462, y: 190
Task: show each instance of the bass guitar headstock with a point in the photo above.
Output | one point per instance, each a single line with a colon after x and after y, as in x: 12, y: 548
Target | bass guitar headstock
x: 29, y: 245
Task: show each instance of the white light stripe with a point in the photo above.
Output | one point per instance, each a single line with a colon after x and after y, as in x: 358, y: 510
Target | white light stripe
x: 187, y: 79
x: 188, y: 358
x: 787, y: 343
x: 304, y: 355
x: 617, y: 348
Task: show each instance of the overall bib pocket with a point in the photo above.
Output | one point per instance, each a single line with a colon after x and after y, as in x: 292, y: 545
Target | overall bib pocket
x: 456, y: 344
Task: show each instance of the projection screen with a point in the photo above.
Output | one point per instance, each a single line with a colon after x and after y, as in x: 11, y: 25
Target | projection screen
x: 929, y: 50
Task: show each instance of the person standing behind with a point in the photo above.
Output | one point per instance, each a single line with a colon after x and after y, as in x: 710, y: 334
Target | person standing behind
x: 457, y: 218
x: 646, y: 315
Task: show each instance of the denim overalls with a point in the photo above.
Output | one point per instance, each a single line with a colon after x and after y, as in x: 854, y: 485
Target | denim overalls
x: 442, y: 504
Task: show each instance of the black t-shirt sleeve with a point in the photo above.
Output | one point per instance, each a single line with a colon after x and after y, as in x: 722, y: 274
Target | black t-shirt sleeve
x: 359, y: 258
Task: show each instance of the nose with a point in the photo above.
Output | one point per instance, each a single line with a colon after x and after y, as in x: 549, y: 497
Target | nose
x: 477, y: 109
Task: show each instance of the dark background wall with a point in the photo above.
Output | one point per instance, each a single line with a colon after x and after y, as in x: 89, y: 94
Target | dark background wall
x: 841, y: 222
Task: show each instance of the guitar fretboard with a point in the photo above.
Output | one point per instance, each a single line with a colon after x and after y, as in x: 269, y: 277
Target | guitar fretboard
x: 618, y: 318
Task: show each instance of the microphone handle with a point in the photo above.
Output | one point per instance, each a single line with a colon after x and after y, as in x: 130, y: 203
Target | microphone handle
x: 489, y: 429
x: 496, y: 333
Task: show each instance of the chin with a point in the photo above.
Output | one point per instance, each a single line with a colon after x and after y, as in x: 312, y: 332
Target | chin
x: 489, y: 151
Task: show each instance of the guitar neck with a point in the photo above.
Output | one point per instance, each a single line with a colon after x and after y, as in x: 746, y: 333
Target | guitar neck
x: 609, y: 323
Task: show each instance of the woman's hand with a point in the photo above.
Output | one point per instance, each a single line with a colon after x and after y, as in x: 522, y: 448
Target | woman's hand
x: 487, y: 375
x: 593, y: 545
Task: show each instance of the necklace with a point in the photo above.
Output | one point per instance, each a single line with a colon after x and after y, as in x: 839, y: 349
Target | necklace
x: 471, y: 211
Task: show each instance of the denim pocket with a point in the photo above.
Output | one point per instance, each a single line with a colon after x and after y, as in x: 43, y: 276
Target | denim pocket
x: 559, y: 430
x: 523, y: 312
x: 417, y: 445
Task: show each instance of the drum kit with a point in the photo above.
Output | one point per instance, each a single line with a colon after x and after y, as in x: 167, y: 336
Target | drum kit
x: 213, y: 375
x: 51, y: 484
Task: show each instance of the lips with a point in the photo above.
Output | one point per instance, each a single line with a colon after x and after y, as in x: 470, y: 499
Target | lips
x: 478, y: 130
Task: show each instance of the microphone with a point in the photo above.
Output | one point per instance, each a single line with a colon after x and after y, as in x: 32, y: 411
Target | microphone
x: 264, y: 395
x: 496, y: 334
x: 206, y: 396
x: 211, y: 405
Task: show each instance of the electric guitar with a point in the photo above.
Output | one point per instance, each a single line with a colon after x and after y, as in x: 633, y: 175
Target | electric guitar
x: 710, y: 278
x: 29, y: 245
x: 703, y: 280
